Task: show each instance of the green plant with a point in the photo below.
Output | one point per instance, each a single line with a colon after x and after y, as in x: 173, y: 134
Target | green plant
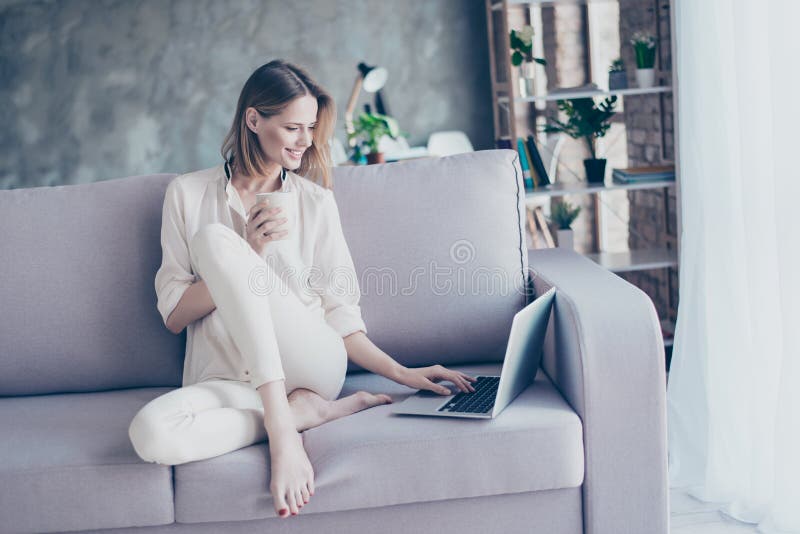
x: 522, y: 47
x: 586, y: 120
x: 644, y: 46
x: 617, y: 66
x: 563, y: 214
x: 369, y: 128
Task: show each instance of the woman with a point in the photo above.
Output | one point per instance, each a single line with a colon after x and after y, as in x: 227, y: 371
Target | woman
x: 266, y: 354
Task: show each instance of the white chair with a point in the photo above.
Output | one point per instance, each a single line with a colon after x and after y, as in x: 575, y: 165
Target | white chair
x: 448, y: 143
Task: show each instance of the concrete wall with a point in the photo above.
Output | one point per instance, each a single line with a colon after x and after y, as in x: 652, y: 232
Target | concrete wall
x: 97, y: 89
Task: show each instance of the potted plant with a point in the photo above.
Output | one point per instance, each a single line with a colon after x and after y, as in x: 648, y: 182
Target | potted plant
x: 617, y: 78
x: 522, y: 57
x: 562, y: 215
x: 369, y: 128
x: 644, y: 46
x: 589, y: 122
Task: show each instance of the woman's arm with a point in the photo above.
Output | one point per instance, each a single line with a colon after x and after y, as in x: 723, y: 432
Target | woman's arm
x: 363, y: 352
x: 194, y: 304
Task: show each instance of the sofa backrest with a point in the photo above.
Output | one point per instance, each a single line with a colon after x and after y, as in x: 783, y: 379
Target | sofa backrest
x: 76, y: 290
x: 437, y: 243
x: 439, y: 247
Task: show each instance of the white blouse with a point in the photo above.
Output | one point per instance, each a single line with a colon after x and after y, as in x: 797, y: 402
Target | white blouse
x: 315, y: 251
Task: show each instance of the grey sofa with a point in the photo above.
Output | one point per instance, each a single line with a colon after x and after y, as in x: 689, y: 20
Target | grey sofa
x: 440, y: 248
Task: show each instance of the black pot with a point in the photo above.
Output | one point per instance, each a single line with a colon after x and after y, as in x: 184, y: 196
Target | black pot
x: 618, y: 80
x: 595, y: 170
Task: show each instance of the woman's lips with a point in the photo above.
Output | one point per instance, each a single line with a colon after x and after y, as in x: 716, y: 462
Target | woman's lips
x: 295, y: 154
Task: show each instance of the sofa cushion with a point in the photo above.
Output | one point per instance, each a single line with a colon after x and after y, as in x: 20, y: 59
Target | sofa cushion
x: 68, y: 464
x: 374, y: 458
x: 440, y: 262
x: 78, y: 265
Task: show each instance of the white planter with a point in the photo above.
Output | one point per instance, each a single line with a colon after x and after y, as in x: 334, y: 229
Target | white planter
x: 527, y: 86
x: 645, y: 77
x: 564, y: 238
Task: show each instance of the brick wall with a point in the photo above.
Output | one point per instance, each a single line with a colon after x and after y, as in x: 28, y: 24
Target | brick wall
x: 649, y: 124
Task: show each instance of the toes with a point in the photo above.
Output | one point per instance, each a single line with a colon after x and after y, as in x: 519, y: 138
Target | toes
x: 281, y: 507
x: 298, y: 497
x: 304, y: 494
x: 292, y: 504
x: 310, y: 486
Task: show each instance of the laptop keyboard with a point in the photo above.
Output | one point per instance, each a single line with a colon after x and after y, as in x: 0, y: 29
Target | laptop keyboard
x: 479, y: 401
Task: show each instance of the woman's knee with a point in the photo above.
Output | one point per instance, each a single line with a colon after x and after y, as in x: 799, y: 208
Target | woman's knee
x: 151, y: 437
x: 209, y: 237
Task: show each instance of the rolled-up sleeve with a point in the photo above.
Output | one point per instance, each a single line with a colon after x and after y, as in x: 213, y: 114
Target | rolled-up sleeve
x: 175, y: 274
x: 340, y: 292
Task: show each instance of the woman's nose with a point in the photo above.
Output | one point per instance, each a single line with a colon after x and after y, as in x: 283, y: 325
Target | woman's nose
x: 306, y: 138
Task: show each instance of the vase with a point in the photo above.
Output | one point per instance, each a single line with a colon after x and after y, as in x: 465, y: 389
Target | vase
x: 645, y: 77
x: 527, y: 86
x: 617, y: 80
x: 565, y: 238
x: 376, y: 157
x: 595, y: 170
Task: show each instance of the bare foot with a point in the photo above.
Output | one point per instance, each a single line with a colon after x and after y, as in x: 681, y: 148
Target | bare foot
x: 311, y: 410
x: 292, y: 477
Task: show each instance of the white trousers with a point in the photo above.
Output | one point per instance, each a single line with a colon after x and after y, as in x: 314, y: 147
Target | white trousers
x: 277, y: 337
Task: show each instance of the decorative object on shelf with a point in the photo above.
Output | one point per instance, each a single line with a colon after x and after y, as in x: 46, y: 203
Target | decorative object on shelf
x: 503, y: 142
x: 524, y: 163
x: 537, y: 223
x: 563, y: 214
x: 617, y: 77
x: 537, y: 166
x: 635, y: 175
x: 372, y: 79
x: 644, y: 46
x: 522, y: 57
x: 589, y: 122
x: 368, y: 131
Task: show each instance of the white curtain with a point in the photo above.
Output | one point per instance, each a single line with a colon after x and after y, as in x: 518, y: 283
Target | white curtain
x: 734, y: 385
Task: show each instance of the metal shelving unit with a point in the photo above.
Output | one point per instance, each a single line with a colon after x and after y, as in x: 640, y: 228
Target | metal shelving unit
x: 512, y: 120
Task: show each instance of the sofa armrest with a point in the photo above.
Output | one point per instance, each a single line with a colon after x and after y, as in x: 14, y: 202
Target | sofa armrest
x: 605, y: 353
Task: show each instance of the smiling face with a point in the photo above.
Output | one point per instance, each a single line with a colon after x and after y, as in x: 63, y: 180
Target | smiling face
x: 285, y: 137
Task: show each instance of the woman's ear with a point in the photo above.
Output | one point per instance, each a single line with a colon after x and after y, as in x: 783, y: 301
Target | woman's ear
x: 251, y: 119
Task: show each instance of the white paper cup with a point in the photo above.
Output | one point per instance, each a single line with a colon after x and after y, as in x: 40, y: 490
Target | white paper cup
x: 284, y: 200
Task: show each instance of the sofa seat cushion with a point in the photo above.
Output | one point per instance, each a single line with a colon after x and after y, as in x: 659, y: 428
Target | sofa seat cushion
x: 375, y: 458
x: 68, y: 464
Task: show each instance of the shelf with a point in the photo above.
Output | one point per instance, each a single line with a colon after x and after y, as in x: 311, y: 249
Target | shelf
x: 636, y: 260
x: 584, y: 188
x: 584, y: 94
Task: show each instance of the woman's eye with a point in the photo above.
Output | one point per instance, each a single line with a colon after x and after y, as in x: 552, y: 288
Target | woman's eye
x: 291, y: 129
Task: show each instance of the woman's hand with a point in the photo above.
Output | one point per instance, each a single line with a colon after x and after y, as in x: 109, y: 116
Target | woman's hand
x: 263, y: 226
x: 426, y: 378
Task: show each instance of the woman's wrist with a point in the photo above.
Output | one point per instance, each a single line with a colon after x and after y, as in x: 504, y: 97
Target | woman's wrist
x: 399, y: 373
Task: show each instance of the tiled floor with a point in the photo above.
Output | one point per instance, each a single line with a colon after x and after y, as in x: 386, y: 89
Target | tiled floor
x: 690, y: 516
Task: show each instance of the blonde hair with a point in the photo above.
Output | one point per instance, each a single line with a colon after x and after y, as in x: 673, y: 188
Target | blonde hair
x: 269, y: 90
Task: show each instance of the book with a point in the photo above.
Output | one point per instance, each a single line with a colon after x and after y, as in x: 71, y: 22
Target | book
x: 503, y: 143
x: 534, y: 178
x: 523, y: 163
x: 644, y: 174
x: 537, y: 163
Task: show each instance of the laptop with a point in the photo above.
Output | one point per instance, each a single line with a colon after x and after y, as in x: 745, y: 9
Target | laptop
x: 493, y: 393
